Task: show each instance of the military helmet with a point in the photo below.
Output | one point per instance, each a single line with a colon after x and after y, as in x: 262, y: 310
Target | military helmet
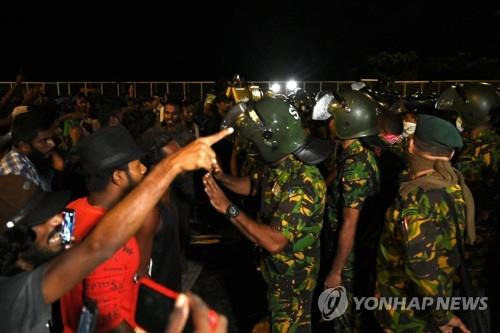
x: 274, y: 126
x: 355, y: 113
x: 472, y: 101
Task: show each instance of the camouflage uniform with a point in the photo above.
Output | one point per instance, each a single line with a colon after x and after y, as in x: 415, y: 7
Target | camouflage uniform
x: 417, y: 254
x: 357, y: 180
x: 479, y: 162
x: 293, y: 202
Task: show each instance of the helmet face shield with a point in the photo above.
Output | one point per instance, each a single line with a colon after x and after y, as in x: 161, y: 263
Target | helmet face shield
x: 243, y: 118
x: 234, y: 116
x: 447, y: 99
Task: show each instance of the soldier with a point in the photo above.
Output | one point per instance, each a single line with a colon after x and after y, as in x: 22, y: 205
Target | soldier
x: 417, y: 255
x: 479, y: 162
x: 354, y: 117
x: 292, y: 203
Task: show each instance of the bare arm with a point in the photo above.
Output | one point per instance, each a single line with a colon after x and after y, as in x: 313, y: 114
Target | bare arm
x: 8, y: 95
x: 71, y: 116
x: 331, y: 177
x: 239, y: 185
x: 261, y: 234
x: 124, y: 220
x: 346, y: 239
x: 145, y: 238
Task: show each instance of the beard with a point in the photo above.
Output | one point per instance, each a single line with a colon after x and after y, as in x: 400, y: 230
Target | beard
x: 37, y: 256
x: 132, y: 183
x: 42, y: 163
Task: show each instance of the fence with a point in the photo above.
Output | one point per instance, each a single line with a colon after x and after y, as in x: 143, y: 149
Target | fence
x: 198, y: 89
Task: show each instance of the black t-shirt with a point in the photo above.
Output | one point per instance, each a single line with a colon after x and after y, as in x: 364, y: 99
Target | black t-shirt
x: 166, y: 254
x: 22, y: 308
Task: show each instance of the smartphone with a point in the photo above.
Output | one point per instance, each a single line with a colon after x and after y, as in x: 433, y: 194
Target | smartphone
x: 155, y: 302
x: 88, y: 317
x: 68, y: 225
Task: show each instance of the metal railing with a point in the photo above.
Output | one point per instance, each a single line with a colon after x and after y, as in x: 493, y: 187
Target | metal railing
x: 198, y: 89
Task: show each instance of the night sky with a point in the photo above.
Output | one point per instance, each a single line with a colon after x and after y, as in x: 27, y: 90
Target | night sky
x: 262, y: 41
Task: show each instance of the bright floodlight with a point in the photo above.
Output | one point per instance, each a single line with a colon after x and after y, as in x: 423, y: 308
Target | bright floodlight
x: 291, y: 85
x: 276, y: 88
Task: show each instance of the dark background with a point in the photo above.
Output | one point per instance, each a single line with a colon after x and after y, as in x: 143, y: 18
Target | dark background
x: 273, y: 40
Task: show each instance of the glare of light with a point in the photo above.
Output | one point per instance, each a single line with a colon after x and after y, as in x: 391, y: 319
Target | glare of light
x: 320, y: 110
x: 291, y: 85
x: 275, y: 88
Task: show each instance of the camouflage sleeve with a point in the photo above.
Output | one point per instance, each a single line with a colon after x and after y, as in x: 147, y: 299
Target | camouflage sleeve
x: 471, y: 170
x: 355, y: 175
x: 420, y: 236
x: 292, y: 217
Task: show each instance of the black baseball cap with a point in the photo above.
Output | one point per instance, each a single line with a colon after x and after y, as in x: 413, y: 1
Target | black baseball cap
x: 22, y: 202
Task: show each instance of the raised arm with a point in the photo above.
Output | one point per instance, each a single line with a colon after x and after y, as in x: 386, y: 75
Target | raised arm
x: 125, y: 219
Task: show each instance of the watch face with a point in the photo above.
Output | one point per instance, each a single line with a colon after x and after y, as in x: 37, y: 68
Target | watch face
x: 233, y: 211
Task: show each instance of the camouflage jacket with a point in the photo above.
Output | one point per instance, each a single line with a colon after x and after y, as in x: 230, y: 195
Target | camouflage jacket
x: 417, y: 255
x: 479, y: 162
x: 357, y: 179
x: 293, y: 202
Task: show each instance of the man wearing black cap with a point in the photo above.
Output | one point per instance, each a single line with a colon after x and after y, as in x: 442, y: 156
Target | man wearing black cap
x: 29, y: 223
x: 418, y: 250
x: 110, y: 159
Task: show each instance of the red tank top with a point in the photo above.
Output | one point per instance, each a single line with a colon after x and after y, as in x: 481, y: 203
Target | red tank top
x: 110, y: 285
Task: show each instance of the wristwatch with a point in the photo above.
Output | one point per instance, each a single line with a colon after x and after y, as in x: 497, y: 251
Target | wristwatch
x: 232, y: 211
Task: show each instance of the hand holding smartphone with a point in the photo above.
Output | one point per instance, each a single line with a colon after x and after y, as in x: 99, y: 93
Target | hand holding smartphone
x: 155, y: 311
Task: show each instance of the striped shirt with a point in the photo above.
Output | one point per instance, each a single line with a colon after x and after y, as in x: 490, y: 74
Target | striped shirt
x: 18, y: 163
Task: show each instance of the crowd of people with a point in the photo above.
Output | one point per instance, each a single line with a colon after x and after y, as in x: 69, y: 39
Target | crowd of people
x: 378, y: 199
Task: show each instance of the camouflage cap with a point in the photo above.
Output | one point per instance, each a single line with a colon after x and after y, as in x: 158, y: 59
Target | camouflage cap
x: 438, y: 132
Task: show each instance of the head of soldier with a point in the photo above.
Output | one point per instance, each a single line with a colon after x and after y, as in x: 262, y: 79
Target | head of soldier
x: 274, y: 127
x: 353, y: 114
x: 111, y: 162
x: 434, y: 139
x: 473, y: 102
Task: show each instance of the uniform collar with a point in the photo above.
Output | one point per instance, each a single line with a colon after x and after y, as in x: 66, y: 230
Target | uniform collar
x: 354, y: 148
x: 286, y: 166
